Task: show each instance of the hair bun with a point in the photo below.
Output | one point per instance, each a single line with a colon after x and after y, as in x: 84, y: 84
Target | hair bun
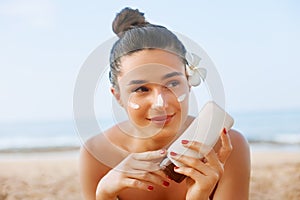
x: 126, y: 19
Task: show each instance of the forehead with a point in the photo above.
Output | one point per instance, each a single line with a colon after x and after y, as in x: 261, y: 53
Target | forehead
x: 149, y: 73
x: 155, y: 59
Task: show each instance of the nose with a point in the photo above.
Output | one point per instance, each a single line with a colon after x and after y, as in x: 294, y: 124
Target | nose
x: 158, y: 100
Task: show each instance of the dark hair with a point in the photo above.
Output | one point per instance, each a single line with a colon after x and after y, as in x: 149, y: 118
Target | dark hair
x: 136, y: 34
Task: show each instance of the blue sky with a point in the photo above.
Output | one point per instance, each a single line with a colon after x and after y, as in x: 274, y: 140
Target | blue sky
x: 254, y: 44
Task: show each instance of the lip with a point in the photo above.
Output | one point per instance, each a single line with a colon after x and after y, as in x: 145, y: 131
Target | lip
x: 162, y: 119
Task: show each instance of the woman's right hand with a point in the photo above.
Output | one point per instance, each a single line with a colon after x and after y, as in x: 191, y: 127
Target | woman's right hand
x: 138, y: 170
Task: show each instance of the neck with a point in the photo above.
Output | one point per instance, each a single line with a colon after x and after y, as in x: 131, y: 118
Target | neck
x: 161, y: 140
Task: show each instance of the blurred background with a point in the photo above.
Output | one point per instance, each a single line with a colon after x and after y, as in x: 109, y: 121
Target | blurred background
x: 254, y: 45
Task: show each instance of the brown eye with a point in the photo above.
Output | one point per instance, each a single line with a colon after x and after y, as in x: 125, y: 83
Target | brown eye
x: 141, y: 89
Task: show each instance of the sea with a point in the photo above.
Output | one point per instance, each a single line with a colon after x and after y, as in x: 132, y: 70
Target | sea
x: 263, y: 130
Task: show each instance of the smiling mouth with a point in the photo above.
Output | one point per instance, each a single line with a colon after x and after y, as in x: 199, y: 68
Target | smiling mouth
x: 161, y: 120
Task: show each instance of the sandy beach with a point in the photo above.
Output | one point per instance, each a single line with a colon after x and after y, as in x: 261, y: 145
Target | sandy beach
x: 275, y: 175
x: 54, y: 176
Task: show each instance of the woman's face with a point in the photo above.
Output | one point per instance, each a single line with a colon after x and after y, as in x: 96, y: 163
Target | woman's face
x: 154, y: 91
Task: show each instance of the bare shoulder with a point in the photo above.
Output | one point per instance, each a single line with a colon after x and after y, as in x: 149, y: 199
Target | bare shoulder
x: 240, y: 155
x: 238, y: 141
x: 98, y: 155
x: 91, y: 170
x: 240, y: 146
x: 89, y: 163
x: 102, y: 148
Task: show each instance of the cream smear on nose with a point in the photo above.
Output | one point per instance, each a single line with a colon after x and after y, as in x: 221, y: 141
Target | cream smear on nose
x: 159, y: 101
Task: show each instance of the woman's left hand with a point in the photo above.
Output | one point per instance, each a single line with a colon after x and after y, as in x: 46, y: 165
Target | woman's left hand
x: 203, y: 174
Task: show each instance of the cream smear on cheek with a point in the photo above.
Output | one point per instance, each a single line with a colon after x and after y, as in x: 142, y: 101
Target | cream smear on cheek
x: 159, y: 101
x: 134, y: 105
x: 181, y: 98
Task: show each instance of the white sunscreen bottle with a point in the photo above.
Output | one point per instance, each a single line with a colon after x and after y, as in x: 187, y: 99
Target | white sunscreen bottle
x: 206, y: 129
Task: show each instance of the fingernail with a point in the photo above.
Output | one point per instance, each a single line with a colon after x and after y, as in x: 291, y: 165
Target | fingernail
x: 165, y: 183
x: 150, y: 187
x: 176, y: 167
x: 173, y: 153
x: 224, y: 131
x: 184, y: 141
x: 163, y: 151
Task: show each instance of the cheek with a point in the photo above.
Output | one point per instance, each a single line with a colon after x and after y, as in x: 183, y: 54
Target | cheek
x: 136, y: 111
x: 181, y: 98
x: 185, y: 105
x: 133, y: 104
x: 181, y: 93
x: 137, y: 116
x: 184, y: 110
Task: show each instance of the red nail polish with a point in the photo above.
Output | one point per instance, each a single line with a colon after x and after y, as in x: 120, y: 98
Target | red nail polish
x: 163, y: 151
x: 165, y: 183
x: 173, y: 153
x: 184, y: 141
x: 224, y: 131
x: 176, y: 167
x: 150, y: 187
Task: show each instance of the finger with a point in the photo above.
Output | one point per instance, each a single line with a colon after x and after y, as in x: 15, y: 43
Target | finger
x: 160, y: 173
x: 148, y: 166
x: 190, y: 172
x: 133, y: 166
x: 198, y: 147
x: 212, y: 168
x: 226, y: 148
x: 138, y: 184
x: 150, y: 155
x: 214, y: 162
x: 198, y: 176
x: 150, y: 178
x: 192, y: 162
x: 212, y: 158
x: 193, y: 145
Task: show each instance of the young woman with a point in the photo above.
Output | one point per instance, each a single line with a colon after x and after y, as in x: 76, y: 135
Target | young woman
x: 149, y: 80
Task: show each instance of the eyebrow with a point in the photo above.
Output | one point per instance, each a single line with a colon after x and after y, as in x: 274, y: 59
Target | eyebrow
x: 166, y: 76
x: 169, y: 75
x: 137, y: 82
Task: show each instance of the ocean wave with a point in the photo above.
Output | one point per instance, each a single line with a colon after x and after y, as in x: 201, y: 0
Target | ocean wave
x: 284, y: 139
x: 267, y: 128
x: 39, y: 149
